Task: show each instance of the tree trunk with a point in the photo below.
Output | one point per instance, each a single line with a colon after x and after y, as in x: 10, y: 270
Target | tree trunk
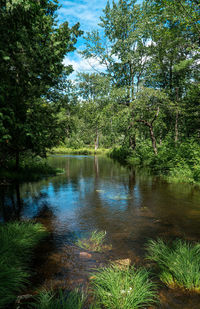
x: 152, y: 136
x: 153, y: 139
x: 17, y: 160
x: 176, y: 128
x: 132, y: 142
x: 96, y: 141
x: 176, y: 122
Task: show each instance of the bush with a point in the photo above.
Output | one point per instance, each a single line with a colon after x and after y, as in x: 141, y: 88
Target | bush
x: 178, y: 163
x: 29, y: 169
x: 126, y: 288
x: 179, y: 263
x: 119, y: 153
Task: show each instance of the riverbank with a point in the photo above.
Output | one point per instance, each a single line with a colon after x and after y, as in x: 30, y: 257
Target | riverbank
x: 180, y: 164
x: 30, y: 169
x: 79, y: 151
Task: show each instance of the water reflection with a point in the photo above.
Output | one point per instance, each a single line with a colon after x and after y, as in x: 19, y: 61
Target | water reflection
x: 11, y: 204
x: 96, y: 193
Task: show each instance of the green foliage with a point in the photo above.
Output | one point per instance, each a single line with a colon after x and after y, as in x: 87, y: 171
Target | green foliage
x: 51, y: 300
x: 30, y: 169
x: 178, y: 262
x: 95, y: 242
x: 125, y: 288
x: 177, y: 163
x: 17, y: 243
x: 152, y: 60
x: 32, y: 49
x: 120, y: 153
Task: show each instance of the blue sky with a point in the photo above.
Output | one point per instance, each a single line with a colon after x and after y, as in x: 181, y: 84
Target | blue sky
x: 87, y: 13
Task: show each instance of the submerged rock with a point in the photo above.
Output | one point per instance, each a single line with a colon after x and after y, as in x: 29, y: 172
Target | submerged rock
x: 123, y: 262
x: 85, y: 255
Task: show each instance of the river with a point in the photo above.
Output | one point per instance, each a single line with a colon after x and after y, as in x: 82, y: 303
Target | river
x: 97, y: 193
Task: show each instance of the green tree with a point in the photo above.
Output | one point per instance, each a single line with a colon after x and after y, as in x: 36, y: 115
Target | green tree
x: 174, y: 29
x: 124, y: 45
x: 94, y: 90
x: 32, y: 48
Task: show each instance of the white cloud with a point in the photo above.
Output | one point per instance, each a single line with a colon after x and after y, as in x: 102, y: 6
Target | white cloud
x: 87, y: 13
x: 83, y: 65
x: 84, y: 11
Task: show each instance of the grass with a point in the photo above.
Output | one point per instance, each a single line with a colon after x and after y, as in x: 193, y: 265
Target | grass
x: 80, y: 151
x: 126, y: 288
x: 49, y: 300
x: 17, y: 243
x: 95, y: 242
x: 179, y: 263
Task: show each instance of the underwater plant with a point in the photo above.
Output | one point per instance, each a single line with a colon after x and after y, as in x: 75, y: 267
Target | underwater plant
x: 95, y: 242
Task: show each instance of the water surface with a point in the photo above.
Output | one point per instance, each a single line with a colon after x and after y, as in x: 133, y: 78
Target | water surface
x: 96, y: 193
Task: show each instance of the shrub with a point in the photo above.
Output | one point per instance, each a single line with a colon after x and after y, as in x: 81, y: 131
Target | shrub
x: 29, y: 169
x: 179, y: 263
x: 178, y: 163
x: 119, y: 153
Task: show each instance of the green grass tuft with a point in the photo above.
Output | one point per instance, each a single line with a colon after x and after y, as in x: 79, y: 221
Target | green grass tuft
x: 95, y: 242
x: 179, y: 263
x: 126, y: 288
x: 49, y: 300
x: 17, y: 242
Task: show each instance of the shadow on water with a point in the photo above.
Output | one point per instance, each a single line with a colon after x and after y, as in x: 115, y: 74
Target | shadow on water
x: 96, y: 193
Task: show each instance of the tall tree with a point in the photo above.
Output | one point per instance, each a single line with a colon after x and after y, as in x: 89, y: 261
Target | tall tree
x: 32, y: 48
x: 123, y: 51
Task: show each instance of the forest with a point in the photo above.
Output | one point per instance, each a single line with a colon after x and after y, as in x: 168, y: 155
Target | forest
x: 140, y: 105
x: 144, y: 104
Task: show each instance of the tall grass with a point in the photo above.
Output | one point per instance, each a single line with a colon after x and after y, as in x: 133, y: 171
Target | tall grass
x: 126, y: 288
x: 49, y: 300
x: 80, y: 151
x: 95, y: 242
x: 17, y: 241
x: 179, y: 263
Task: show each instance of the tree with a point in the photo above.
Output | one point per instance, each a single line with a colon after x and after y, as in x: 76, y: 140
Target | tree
x: 174, y: 30
x: 149, y: 106
x: 123, y: 47
x: 32, y: 48
x: 94, y: 90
